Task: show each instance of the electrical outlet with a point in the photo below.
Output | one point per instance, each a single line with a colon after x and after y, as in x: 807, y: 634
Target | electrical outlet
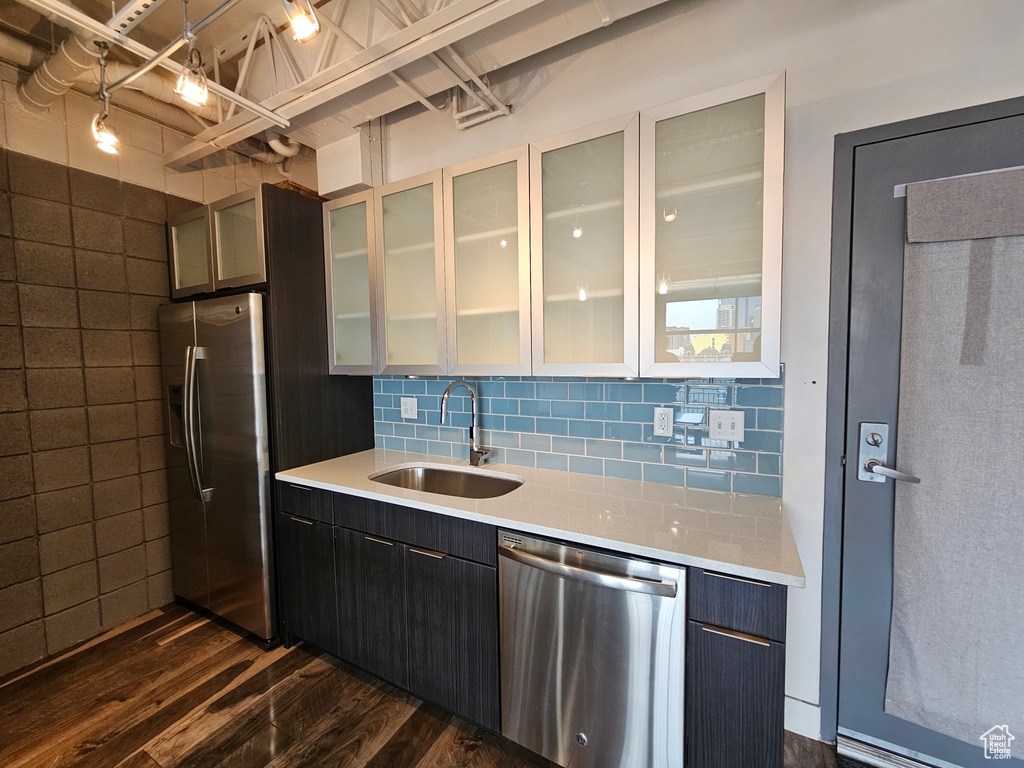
x: 408, y: 407
x: 726, y: 425
x: 663, y: 422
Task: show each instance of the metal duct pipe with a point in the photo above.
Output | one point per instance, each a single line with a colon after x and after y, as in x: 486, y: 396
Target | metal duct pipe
x: 282, y: 145
x: 55, y: 76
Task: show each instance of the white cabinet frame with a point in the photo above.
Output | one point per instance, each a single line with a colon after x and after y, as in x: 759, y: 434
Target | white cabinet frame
x: 260, y: 276
x: 432, y: 178
x: 367, y: 198
x: 520, y: 156
x: 629, y: 125
x: 773, y: 86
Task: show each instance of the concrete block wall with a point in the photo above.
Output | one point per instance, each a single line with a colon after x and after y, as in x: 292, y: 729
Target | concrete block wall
x: 83, y: 520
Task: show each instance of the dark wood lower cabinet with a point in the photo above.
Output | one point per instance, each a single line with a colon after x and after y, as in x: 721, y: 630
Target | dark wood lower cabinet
x: 735, y: 695
x: 423, y: 620
x: 451, y: 610
x: 371, y: 604
x: 309, y: 587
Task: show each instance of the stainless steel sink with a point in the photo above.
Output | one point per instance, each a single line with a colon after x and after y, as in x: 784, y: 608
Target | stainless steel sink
x: 451, y: 482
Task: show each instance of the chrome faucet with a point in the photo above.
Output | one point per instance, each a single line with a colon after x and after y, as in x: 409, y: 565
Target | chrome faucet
x: 477, y: 455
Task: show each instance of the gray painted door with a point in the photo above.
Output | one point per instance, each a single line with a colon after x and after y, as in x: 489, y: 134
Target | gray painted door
x: 876, y: 296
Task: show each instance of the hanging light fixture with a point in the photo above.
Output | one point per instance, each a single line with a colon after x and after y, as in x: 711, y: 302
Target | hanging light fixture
x: 305, y: 24
x: 106, y: 139
x: 577, y: 232
x: 663, y: 285
x: 581, y: 292
x: 503, y: 243
x: 192, y: 86
x: 669, y: 215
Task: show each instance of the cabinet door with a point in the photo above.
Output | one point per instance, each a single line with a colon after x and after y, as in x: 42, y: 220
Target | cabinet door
x: 452, y: 630
x: 191, y: 267
x: 410, y: 257
x: 351, y: 284
x: 735, y: 697
x: 583, y: 233
x: 371, y: 604
x: 309, y: 595
x: 487, y: 265
x: 238, y: 244
x: 711, y: 232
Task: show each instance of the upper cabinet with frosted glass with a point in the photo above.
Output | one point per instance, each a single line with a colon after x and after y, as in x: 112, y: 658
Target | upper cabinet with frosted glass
x: 219, y: 246
x: 711, y: 232
x: 351, y: 286
x: 191, y: 265
x: 409, y: 234
x: 487, y: 265
x: 583, y: 232
x: 239, y: 257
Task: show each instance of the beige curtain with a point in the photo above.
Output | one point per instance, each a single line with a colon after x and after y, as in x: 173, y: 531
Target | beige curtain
x: 956, y: 647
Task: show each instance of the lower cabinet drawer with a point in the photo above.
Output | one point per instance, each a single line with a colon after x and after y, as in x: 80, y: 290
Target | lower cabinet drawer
x: 744, y: 605
x: 735, y: 697
x: 303, y: 501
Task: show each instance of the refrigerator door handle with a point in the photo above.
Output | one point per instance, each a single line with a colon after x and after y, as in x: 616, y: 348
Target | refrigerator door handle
x: 192, y: 455
x: 186, y: 421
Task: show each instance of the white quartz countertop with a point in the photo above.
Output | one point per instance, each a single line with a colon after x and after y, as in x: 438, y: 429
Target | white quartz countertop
x: 732, y: 533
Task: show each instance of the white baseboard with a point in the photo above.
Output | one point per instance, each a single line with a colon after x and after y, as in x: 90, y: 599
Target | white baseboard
x: 803, y: 718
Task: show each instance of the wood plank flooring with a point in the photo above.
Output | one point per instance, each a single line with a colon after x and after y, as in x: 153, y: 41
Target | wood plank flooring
x: 176, y: 690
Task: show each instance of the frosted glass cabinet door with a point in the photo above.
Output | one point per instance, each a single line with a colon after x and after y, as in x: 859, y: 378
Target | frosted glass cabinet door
x: 350, y: 270
x: 487, y: 265
x: 583, y: 230
x: 410, y: 258
x: 191, y: 268
x: 238, y: 248
x: 711, y: 232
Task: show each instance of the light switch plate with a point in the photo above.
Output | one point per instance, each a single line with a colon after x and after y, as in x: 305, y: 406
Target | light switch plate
x: 408, y: 407
x: 663, y: 422
x: 726, y: 425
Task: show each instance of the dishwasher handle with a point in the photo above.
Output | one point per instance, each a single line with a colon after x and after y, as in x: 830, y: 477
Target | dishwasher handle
x: 625, y: 583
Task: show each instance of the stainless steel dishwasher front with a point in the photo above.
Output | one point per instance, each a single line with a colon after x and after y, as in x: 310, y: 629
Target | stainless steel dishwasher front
x: 592, y: 655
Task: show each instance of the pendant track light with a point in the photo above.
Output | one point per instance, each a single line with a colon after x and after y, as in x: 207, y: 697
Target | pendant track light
x: 305, y: 24
x: 106, y: 139
x: 192, y: 86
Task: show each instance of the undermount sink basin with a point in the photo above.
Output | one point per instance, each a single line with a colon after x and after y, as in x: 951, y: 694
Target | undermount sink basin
x: 450, y: 482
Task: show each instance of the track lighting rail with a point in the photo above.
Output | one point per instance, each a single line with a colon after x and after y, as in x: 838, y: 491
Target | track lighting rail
x: 89, y: 26
x: 169, y: 50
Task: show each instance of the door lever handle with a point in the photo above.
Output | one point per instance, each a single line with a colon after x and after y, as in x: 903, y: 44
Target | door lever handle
x: 878, y: 468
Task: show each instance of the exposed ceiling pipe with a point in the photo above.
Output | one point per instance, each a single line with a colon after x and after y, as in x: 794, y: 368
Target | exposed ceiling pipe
x: 282, y: 145
x: 151, y: 95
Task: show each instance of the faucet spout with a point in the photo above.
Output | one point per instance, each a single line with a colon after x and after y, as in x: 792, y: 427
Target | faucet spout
x: 477, y: 455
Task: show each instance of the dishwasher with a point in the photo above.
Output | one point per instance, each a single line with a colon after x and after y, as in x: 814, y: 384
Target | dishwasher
x: 592, y: 655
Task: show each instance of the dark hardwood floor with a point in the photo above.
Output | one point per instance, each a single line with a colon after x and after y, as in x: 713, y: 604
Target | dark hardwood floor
x: 176, y: 690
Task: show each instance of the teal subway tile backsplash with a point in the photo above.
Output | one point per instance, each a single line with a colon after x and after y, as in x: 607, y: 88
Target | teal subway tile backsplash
x: 597, y: 426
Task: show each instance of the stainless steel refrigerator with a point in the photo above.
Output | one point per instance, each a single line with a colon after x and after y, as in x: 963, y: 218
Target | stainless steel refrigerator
x: 215, y: 383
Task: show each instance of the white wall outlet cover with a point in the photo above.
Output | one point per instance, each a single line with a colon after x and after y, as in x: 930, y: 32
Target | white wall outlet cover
x: 726, y: 425
x: 663, y: 422
x: 408, y: 407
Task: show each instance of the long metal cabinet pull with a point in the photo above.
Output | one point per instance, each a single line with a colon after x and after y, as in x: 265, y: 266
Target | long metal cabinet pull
x: 733, y: 633
x: 379, y: 541
x: 187, y: 422
x: 591, y: 577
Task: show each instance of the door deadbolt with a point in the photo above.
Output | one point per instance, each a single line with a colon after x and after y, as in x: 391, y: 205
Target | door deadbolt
x: 582, y: 739
x: 874, y: 439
